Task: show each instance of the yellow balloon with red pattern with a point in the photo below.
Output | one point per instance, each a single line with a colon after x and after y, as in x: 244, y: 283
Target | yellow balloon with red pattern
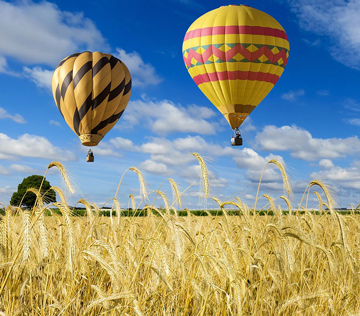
x: 235, y: 54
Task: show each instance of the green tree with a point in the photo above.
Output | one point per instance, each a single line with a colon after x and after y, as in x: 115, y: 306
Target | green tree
x: 34, y: 182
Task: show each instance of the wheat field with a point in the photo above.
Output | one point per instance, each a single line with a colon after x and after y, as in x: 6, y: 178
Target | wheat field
x: 164, y: 264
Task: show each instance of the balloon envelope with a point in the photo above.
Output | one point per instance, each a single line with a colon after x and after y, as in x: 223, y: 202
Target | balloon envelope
x: 235, y: 54
x: 91, y: 91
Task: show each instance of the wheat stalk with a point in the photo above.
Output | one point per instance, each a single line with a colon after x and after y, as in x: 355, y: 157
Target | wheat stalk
x: 175, y: 191
x: 271, y: 201
x: 330, y: 201
x: 204, y: 173
x: 319, y: 199
x: 132, y: 202
x: 87, y: 207
x: 283, y: 174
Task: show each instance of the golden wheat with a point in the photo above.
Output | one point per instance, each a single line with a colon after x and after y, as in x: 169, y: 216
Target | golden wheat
x: 170, y: 265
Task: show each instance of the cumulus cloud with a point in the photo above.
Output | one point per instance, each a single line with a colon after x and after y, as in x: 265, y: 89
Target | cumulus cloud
x: 154, y: 167
x: 41, y: 77
x: 39, y: 32
x: 254, y: 164
x: 164, y: 117
x: 348, y: 177
x: 178, y: 151
x: 21, y: 168
x: 142, y: 74
x: 123, y: 143
x: 302, y: 145
x: 115, y: 147
x: 31, y: 146
x: 326, y: 164
x: 337, y: 20
x: 16, y: 118
x: 292, y: 95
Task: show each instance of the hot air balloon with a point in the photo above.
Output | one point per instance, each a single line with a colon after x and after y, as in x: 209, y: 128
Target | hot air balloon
x: 91, y: 91
x: 235, y: 54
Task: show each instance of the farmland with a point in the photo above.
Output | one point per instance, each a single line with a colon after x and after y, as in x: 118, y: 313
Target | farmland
x: 294, y: 263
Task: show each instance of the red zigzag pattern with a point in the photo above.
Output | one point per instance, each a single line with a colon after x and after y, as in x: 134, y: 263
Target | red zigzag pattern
x: 226, y: 56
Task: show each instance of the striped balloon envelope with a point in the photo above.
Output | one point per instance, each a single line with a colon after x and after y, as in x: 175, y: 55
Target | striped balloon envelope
x: 235, y: 54
x: 91, y: 91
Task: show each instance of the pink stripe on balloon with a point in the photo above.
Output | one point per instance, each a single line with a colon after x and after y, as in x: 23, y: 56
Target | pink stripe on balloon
x: 236, y: 29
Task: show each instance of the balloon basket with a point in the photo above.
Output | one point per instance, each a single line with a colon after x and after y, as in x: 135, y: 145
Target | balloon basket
x: 236, y: 139
x: 90, y: 156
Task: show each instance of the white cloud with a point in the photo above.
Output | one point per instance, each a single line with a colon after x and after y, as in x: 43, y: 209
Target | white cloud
x: 42, y: 33
x: 323, y: 93
x: 353, y: 121
x: 248, y: 125
x: 31, y: 146
x: 164, y: 117
x: 326, y: 164
x: 338, y: 20
x: 200, y: 112
x: 292, y: 95
x: 163, y: 150
x: 56, y: 123
x: 352, y: 105
x: 302, y: 145
x: 4, y: 171
x: 344, y: 177
x: 41, y: 77
x: 16, y: 118
x: 254, y: 164
x: 123, y: 143
x: 115, y: 147
x: 3, y: 64
x: 247, y: 158
x: 218, y: 183
x: 21, y: 168
x: 191, y: 172
x: 178, y: 151
x: 6, y: 189
x: 142, y: 74
x: 154, y: 167
x: 249, y: 197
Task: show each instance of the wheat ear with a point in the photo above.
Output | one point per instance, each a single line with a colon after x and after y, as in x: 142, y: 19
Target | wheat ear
x: 287, y: 203
x: 175, y: 191
x: 204, y: 173
x: 63, y: 174
x: 283, y: 174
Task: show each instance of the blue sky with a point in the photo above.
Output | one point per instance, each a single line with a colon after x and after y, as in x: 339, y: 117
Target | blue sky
x: 310, y: 120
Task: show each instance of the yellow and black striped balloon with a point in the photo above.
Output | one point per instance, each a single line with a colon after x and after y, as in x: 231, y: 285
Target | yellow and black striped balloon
x: 91, y: 91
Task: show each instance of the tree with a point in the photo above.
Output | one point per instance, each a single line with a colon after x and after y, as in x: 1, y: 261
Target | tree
x: 29, y: 200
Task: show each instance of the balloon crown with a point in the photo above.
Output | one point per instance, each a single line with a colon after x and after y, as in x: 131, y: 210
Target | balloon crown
x: 235, y: 5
